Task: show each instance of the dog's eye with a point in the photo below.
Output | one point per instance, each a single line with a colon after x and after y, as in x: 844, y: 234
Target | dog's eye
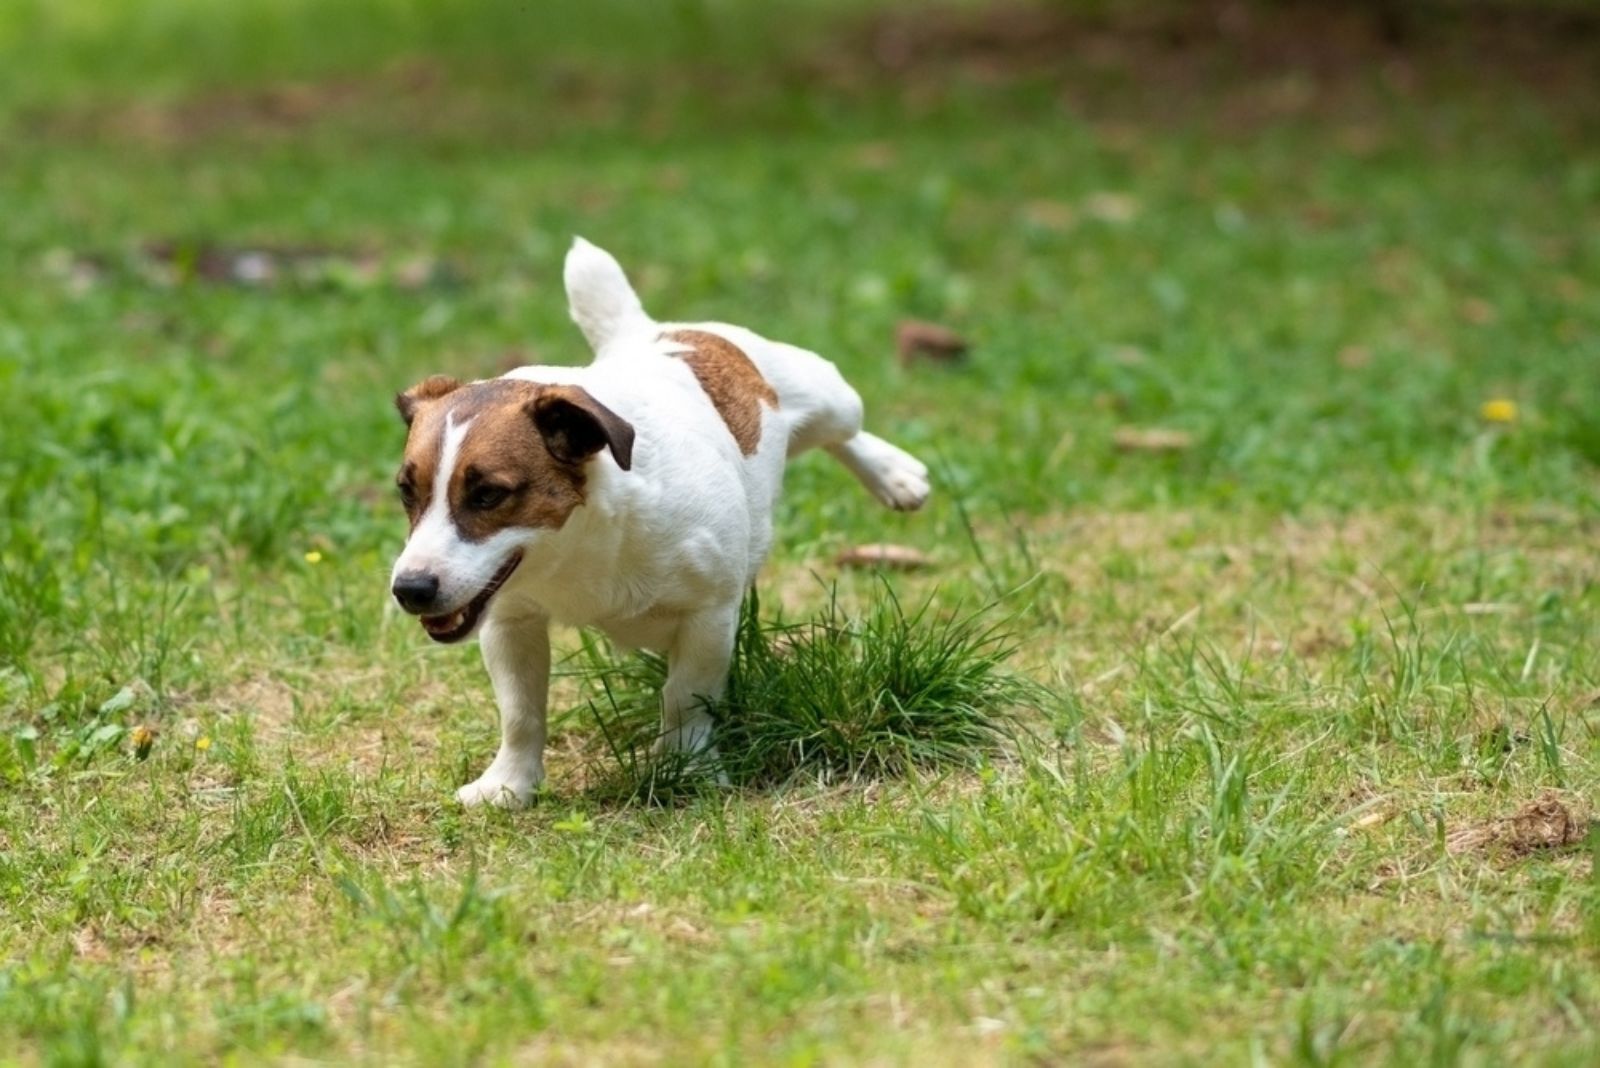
x: 485, y: 498
x: 408, y: 494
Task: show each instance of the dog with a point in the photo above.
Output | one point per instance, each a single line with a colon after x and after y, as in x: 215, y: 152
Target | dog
x: 634, y: 495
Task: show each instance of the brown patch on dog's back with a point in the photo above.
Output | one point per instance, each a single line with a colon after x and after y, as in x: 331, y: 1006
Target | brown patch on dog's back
x: 734, y: 386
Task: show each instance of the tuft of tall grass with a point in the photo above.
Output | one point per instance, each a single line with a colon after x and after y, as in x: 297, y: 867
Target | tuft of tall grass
x: 833, y: 697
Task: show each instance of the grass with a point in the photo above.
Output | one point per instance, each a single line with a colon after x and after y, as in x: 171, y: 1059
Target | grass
x: 831, y: 698
x: 1308, y: 675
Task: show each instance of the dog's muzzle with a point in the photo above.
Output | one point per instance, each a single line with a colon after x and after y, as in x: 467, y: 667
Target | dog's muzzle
x: 454, y: 626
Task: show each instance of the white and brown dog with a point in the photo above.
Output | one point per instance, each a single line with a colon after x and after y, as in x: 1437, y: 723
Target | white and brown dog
x: 634, y: 495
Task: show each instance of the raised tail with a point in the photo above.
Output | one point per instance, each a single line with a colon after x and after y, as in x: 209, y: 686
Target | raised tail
x: 601, y: 301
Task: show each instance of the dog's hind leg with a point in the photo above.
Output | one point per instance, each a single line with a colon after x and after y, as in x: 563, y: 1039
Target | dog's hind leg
x: 517, y: 653
x: 891, y: 474
x: 697, y: 674
x: 825, y: 412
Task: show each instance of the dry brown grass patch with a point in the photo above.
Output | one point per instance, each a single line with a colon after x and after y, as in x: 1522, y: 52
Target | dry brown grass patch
x: 1548, y: 823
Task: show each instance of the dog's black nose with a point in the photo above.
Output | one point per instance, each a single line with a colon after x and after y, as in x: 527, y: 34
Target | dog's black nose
x: 416, y: 590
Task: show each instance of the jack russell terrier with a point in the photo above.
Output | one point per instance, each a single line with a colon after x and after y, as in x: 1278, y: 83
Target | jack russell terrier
x: 634, y: 495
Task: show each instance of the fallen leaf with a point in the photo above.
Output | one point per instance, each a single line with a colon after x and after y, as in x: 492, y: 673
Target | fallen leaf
x: 915, y: 339
x: 1542, y: 824
x: 898, y: 557
x: 1371, y: 819
x: 1151, y: 439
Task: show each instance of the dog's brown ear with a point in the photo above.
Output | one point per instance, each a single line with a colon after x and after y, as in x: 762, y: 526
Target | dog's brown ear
x: 575, y: 426
x: 430, y: 388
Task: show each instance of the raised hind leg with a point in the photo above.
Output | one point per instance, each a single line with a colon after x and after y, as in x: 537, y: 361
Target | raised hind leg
x: 824, y: 412
x: 891, y: 474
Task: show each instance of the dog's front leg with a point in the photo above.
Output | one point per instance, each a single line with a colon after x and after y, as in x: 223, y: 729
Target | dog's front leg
x: 517, y: 654
x: 697, y: 672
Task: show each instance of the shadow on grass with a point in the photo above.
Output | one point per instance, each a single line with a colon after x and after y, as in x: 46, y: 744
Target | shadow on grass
x: 833, y: 698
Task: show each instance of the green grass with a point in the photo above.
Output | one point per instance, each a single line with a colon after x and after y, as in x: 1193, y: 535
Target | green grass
x: 1272, y: 699
x: 828, y: 699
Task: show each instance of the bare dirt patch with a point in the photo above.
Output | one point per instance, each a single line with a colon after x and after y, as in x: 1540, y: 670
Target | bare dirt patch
x: 1233, y: 67
x: 269, y: 701
x: 1166, y: 44
x: 279, y: 110
x: 1284, y: 593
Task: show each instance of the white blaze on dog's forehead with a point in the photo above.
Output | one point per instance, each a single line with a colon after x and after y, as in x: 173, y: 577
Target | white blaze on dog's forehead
x: 438, y: 513
x: 432, y: 540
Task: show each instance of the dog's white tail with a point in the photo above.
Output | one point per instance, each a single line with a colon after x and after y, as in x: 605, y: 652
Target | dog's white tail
x: 601, y: 301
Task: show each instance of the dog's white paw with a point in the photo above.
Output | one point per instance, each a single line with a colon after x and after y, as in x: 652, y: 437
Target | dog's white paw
x: 894, y: 476
x: 693, y: 735
x: 703, y: 761
x: 497, y: 787
x: 691, y: 743
x: 904, y: 490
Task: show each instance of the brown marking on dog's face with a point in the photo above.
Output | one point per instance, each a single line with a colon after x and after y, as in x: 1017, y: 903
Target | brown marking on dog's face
x: 734, y: 386
x: 505, y: 474
x: 520, y: 464
x: 424, y: 441
x: 431, y: 388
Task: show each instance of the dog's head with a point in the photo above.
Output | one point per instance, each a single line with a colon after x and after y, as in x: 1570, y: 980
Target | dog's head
x: 492, y: 469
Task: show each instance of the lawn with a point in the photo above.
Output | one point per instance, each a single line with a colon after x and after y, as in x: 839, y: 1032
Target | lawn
x: 1275, y: 462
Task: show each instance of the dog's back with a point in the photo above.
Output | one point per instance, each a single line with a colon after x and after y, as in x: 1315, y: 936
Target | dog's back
x: 812, y: 405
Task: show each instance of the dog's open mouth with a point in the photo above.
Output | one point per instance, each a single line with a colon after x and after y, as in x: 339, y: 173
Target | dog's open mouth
x: 459, y: 624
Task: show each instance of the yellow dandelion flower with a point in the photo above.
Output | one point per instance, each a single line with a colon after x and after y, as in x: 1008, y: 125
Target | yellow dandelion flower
x: 1499, y: 410
x: 313, y: 557
x: 143, y: 738
x: 203, y: 742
